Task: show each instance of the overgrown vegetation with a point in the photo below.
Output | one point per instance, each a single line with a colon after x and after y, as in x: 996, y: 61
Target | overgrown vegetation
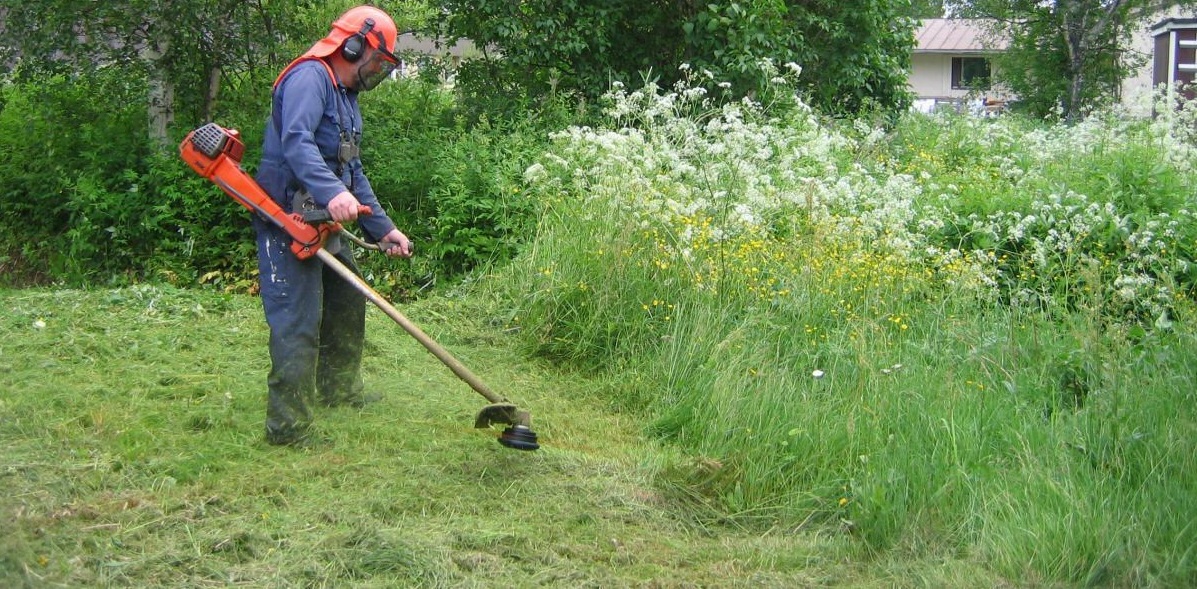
x: 106, y: 207
x: 961, y: 335
x: 856, y: 54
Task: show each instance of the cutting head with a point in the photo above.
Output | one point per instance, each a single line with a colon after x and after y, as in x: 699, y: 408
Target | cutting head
x: 519, y: 435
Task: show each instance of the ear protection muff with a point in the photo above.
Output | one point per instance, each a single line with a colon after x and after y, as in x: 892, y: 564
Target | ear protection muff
x: 355, y: 45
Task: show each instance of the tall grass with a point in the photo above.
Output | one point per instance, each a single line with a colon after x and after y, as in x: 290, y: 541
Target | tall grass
x: 954, y: 335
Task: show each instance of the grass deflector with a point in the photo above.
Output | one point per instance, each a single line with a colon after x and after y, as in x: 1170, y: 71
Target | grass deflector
x: 214, y: 152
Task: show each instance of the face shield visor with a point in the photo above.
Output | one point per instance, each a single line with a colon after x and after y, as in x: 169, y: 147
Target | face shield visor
x: 374, y: 69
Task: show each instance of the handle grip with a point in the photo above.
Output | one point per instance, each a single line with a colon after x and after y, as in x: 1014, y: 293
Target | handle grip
x: 319, y: 216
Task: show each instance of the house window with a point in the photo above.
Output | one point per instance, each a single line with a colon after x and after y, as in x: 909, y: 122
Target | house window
x: 970, y: 73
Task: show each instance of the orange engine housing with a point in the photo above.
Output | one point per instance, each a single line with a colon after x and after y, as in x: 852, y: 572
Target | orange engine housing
x: 214, y: 152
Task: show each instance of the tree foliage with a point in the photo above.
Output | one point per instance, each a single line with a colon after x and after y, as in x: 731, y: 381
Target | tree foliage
x: 184, y: 49
x: 927, y: 8
x: 854, y: 55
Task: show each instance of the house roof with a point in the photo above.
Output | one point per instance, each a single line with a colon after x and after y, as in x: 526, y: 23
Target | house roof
x: 1171, y: 24
x: 954, y: 35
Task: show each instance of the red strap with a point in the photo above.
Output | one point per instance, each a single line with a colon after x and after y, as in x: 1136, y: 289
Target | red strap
x: 328, y: 68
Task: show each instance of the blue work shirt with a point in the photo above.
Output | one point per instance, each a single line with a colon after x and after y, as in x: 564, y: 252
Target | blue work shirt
x: 309, y: 114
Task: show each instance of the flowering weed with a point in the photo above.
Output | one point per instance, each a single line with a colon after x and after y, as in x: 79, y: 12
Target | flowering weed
x: 721, y: 255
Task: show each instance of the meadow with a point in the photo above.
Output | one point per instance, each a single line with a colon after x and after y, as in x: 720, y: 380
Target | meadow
x: 958, y: 334
x: 762, y: 348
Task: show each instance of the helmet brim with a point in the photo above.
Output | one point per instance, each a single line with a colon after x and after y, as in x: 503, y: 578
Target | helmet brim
x: 324, y: 47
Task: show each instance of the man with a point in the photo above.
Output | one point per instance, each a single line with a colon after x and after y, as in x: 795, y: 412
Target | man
x: 310, y: 161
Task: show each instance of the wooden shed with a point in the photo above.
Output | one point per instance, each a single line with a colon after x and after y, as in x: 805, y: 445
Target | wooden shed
x: 1175, y: 55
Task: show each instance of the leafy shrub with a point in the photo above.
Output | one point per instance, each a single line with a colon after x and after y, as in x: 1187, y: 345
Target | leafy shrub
x: 105, y: 206
x: 452, y: 188
x: 63, y: 141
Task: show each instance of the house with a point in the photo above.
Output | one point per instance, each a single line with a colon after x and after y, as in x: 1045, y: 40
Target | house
x: 1175, y: 55
x: 950, y: 64
x: 414, y: 51
x: 1148, y: 44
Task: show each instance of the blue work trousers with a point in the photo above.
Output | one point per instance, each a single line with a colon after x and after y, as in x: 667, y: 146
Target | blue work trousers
x: 317, y: 330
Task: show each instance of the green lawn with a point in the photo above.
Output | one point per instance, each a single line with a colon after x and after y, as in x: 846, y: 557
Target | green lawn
x: 131, y: 454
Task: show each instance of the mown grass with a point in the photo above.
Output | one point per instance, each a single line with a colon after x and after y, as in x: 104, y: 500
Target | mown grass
x: 131, y: 454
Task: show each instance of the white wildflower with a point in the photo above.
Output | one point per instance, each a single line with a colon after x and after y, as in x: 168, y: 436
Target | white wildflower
x: 535, y: 173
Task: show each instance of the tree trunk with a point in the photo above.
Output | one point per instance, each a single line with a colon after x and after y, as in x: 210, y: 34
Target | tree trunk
x: 1084, y: 22
x: 161, y: 107
x: 213, y: 90
x: 1075, y: 90
x: 1072, y: 19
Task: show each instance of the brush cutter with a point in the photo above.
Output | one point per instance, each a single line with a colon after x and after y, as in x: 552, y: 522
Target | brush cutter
x: 214, y: 152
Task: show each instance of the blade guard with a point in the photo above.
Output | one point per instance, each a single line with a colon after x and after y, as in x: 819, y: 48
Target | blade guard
x: 214, y: 152
x: 502, y: 413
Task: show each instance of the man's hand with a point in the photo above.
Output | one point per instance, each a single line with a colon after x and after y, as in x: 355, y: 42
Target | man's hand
x: 344, y: 207
x: 396, y: 244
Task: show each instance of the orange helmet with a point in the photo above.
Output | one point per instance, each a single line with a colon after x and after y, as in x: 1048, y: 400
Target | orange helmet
x: 352, y: 31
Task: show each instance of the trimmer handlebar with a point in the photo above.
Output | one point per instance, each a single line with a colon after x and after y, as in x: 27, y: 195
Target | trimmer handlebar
x: 322, y: 216
x: 318, y: 216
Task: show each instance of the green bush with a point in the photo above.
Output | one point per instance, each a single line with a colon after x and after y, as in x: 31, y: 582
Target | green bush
x: 67, y: 146
x: 452, y: 187
x: 95, y: 202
